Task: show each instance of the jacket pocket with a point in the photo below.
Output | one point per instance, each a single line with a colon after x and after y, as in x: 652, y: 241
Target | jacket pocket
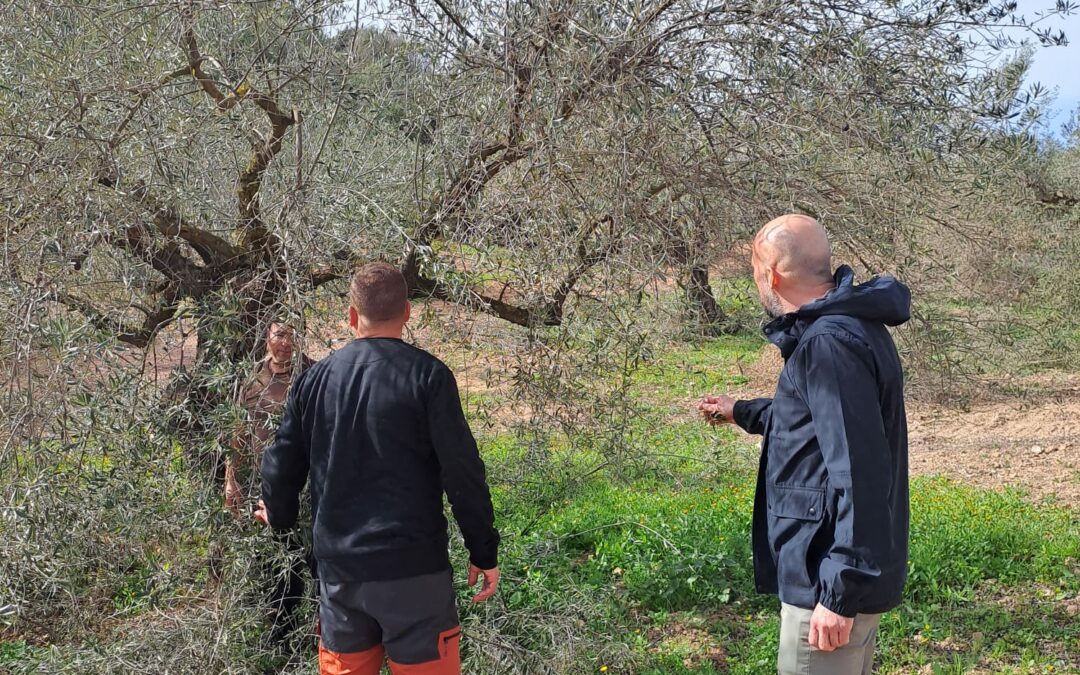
x: 793, y: 501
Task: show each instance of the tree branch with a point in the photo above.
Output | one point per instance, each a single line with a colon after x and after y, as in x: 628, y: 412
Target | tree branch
x: 342, y: 266
x: 549, y: 313
x: 139, y: 336
x: 427, y: 289
x: 457, y: 22
x: 142, y: 92
x: 213, y: 250
x: 167, y: 259
x: 254, y: 235
x: 1055, y: 198
x: 195, y: 61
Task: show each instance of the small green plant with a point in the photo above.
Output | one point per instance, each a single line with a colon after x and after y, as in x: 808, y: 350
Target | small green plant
x: 13, y: 652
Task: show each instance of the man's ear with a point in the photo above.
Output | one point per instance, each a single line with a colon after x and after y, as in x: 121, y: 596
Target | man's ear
x: 408, y: 311
x: 772, y: 277
x: 354, y: 318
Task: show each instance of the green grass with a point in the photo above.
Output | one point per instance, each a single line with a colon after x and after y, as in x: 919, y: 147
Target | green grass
x: 640, y: 563
x: 663, y: 556
x: 13, y: 652
x: 658, y: 555
x: 680, y: 375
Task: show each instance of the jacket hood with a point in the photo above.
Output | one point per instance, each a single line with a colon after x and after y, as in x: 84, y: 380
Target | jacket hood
x: 882, y: 299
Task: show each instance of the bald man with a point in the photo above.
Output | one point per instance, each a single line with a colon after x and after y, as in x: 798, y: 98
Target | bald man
x: 830, y: 527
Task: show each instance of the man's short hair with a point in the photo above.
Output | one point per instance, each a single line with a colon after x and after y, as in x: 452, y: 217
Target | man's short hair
x: 378, y: 292
x: 280, y: 325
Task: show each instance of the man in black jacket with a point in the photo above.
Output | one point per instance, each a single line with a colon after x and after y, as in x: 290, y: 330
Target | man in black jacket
x: 379, y: 428
x: 830, y: 526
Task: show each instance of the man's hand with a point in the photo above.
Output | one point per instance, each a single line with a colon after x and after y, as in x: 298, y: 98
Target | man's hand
x: 829, y: 630
x: 717, y: 409
x: 233, y: 498
x: 260, y: 514
x: 491, y: 582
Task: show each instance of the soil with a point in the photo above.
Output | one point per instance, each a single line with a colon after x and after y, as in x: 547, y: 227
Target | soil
x: 1023, y: 432
x: 1031, y: 445
x: 690, y: 634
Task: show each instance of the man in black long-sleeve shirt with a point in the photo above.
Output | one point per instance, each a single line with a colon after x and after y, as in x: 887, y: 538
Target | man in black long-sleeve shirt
x: 379, y: 428
x: 830, y: 531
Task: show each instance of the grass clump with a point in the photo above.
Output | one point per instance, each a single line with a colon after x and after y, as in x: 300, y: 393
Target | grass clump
x: 622, y: 554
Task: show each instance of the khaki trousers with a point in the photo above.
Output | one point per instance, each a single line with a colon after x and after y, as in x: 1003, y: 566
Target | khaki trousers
x: 797, y: 657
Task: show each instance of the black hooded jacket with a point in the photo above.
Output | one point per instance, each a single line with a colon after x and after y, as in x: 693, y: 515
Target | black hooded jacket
x: 831, y: 510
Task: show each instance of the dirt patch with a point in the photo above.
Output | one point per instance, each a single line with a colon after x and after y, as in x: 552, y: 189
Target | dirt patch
x: 1031, y: 445
x: 733, y: 263
x: 761, y: 373
x: 699, y: 645
x: 1020, y: 432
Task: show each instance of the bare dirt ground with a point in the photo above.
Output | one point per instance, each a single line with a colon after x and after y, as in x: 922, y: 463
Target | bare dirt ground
x: 1023, y: 432
x: 1030, y: 441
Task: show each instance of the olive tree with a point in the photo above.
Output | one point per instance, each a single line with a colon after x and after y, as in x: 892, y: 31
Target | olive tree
x: 190, y: 171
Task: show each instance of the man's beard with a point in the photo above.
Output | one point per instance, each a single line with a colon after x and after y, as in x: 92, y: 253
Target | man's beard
x: 773, y: 307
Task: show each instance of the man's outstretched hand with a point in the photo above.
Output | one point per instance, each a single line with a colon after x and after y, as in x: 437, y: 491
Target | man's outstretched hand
x: 829, y: 630
x: 260, y: 514
x: 717, y: 409
x: 491, y: 582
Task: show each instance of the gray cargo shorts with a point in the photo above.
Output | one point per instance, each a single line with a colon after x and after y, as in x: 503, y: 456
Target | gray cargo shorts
x: 410, y: 617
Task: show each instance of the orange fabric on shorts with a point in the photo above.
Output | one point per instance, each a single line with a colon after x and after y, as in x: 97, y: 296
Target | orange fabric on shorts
x: 367, y: 662
x: 449, y: 662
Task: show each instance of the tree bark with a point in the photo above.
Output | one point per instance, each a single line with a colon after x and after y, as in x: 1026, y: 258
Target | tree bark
x: 704, y: 310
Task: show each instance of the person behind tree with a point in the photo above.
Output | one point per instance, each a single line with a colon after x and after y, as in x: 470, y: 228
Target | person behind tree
x: 262, y: 398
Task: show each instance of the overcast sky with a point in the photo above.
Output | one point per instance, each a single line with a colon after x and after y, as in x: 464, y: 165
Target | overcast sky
x: 1058, y: 68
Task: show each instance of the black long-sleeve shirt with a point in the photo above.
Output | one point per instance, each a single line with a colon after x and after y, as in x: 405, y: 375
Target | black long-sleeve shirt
x: 379, y: 428
x: 831, y: 512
